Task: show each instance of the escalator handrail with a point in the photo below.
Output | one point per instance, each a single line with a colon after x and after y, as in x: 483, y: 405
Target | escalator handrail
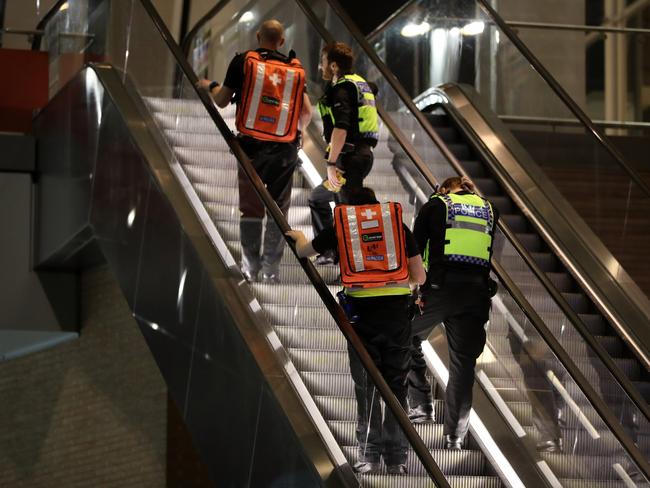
x: 564, y: 96
x: 598, y: 403
x: 321, y: 288
x: 40, y: 27
x: 576, y: 321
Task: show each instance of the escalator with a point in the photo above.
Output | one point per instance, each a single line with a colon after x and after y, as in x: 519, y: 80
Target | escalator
x: 260, y: 371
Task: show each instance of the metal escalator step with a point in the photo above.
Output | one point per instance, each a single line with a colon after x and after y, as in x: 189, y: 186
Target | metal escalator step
x: 214, y: 141
x: 176, y: 106
x: 580, y: 442
x: 328, y: 384
x: 562, y: 281
x: 378, y: 481
x: 320, y: 361
x: 598, y: 468
x: 474, y: 168
x: 329, y: 339
x: 503, y: 204
x: 467, y: 463
x: 208, y: 158
x: 199, y: 123
x: 460, y: 150
x: 644, y: 388
x: 345, y: 408
x: 449, y: 135
x: 229, y: 229
x: 587, y: 483
x: 516, y: 222
x: 344, y: 432
x: 290, y: 294
x: 316, y: 317
x: 488, y: 187
x: 578, y: 301
x: 595, y: 323
x: 298, y: 215
x: 546, y: 261
x: 612, y: 344
x: 531, y: 241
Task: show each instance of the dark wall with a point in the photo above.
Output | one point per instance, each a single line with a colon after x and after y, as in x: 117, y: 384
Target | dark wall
x: 368, y: 14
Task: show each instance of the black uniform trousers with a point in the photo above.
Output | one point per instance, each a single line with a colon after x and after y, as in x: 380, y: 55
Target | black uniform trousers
x: 275, y: 163
x: 464, y: 309
x: 385, y: 330
x: 356, y: 165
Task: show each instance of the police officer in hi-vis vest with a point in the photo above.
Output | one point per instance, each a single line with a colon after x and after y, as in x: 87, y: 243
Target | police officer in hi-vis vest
x: 455, y: 231
x: 272, y: 106
x: 350, y: 127
x: 378, y: 261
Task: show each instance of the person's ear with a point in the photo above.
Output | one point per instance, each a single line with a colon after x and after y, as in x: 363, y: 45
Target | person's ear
x: 258, y: 37
x: 281, y: 42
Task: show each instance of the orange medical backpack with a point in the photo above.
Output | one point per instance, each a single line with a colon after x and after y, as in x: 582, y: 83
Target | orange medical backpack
x: 271, y: 99
x: 371, y: 244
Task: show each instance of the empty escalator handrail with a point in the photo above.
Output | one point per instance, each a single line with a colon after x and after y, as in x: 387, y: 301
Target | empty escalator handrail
x: 186, y: 42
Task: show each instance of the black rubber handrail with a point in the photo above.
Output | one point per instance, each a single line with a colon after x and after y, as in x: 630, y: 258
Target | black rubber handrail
x: 564, y: 96
x: 36, y: 42
x: 321, y: 288
x: 551, y: 289
x: 598, y: 403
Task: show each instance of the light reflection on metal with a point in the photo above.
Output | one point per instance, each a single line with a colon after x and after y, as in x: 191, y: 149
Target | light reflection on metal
x: 61, y: 8
x: 413, y: 30
x: 620, y: 471
x: 494, y: 395
x: 310, y: 170
x: 557, y: 384
x: 477, y: 425
x: 130, y: 218
x: 181, y: 288
x: 247, y: 16
x: 473, y: 28
x: 548, y: 473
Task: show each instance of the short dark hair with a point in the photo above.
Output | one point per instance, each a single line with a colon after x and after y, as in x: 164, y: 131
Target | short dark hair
x: 341, y: 54
x: 362, y: 196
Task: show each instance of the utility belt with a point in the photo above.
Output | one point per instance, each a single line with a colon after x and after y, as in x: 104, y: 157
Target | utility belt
x: 440, y: 276
x: 246, y: 139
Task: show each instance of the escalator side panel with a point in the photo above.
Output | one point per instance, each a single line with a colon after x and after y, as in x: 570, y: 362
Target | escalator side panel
x: 235, y: 402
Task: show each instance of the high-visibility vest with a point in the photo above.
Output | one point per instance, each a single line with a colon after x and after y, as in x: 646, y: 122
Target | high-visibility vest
x: 271, y: 98
x: 368, y: 118
x: 372, y: 249
x: 468, y: 230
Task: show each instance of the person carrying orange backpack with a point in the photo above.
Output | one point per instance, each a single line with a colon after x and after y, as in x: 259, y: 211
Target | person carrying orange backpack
x: 272, y: 107
x: 379, y: 260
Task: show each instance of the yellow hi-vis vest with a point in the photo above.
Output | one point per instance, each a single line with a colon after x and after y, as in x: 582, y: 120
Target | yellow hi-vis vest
x: 469, y: 229
x: 368, y: 118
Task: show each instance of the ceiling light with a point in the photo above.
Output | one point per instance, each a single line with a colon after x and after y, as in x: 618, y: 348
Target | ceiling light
x: 473, y: 29
x: 412, y: 30
x: 247, y: 16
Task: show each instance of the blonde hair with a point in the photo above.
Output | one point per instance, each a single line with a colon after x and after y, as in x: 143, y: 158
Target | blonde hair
x: 462, y: 182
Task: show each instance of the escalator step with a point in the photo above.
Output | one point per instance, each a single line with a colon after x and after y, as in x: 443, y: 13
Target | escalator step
x: 345, y: 408
x: 503, y: 204
x: 467, y: 463
x: 531, y: 241
x: 377, y: 481
x: 460, y: 150
x: 475, y: 169
x: 437, y: 119
x: 517, y: 223
x: 595, y: 323
x: 315, y: 317
x: 449, y: 135
x: 577, y: 301
x: 488, y: 187
x: 546, y: 261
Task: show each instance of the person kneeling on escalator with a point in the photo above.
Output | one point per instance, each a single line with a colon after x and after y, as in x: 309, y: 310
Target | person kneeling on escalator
x: 378, y: 261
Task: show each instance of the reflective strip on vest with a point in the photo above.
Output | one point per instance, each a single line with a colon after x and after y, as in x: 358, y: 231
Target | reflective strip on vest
x: 368, y: 118
x: 468, y: 233
x: 379, y: 291
x: 257, y: 94
x: 286, y: 102
x: 353, y: 226
x: 389, y: 238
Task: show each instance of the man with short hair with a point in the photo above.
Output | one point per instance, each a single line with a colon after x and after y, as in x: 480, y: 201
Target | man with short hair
x: 351, y: 129
x: 272, y: 106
